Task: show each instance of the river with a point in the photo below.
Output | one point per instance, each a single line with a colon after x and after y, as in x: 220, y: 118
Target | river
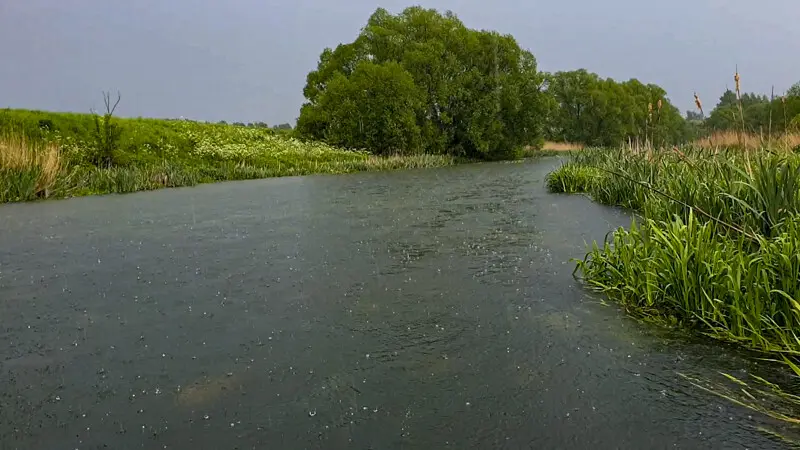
x: 412, y: 309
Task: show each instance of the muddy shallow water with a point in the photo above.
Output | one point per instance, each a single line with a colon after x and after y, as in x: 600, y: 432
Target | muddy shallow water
x: 414, y: 309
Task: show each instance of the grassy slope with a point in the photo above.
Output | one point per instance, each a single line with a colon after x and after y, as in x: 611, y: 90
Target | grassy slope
x: 154, y: 153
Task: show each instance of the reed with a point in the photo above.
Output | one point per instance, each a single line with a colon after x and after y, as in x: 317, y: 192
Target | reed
x: 28, y: 169
x: 716, y: 242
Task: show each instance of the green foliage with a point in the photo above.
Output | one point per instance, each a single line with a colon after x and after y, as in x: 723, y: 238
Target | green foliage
x: 694, y: 116
x: 572, y: 178
x: 106, y: 134
x: 794, y: 91
x: 423, y: 81
x: 760, y: 114
x: 603, y: 112
x: 374, y: 108
x: 718, y: 248
x: 682, y: 270
x: 152, y: 154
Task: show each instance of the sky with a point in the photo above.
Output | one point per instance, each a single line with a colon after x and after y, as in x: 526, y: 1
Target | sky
x: 247, y: 60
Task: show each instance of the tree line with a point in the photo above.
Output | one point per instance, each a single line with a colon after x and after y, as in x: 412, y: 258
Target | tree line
x: 760, y: 114
x: 421, y: 81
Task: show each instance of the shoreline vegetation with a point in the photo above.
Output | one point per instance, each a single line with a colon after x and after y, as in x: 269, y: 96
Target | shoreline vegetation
x: 414, y: 89
x: 53, y: 155
x: 714, y: 248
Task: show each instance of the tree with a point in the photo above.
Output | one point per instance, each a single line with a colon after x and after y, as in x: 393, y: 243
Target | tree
x: 794, y: 91
x: 727, y: 99
x: 421, y: 79
x: 106, y: 133
x: 694, y: 116
x: 603, y: 112
x: 375, y: 108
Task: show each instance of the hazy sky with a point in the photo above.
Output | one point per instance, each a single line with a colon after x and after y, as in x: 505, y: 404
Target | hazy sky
x: 246, y: 60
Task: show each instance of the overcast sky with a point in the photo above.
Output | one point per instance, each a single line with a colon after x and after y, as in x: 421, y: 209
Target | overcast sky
x: 246, y: 60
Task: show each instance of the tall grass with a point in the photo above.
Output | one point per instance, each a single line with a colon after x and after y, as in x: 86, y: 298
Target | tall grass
x: 717, y: 243
x: 28, y: 169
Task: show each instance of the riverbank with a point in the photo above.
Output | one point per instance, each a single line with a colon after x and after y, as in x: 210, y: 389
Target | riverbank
x: 58, y: 155
x: 716, y: 247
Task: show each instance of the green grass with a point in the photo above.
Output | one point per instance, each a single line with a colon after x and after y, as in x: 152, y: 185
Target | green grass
x: 154, y: 154
x: 716, y: 246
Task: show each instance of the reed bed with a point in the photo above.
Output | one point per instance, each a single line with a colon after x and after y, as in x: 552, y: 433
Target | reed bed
x: 715, y: 246
x: 28, y: 169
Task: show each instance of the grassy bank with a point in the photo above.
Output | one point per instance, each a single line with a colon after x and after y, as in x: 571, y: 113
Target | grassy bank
x: 57, y: 155
x: 716, y: 246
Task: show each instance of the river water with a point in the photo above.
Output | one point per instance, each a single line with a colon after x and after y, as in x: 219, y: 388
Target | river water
x: 412, y: 309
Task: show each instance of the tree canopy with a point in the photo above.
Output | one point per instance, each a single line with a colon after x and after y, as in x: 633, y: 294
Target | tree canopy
x: 794, y: 91
x: 422, y: 81
x: 760, y: 113
x: 597, y: 111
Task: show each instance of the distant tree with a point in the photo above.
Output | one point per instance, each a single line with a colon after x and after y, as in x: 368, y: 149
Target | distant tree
x: 760, y: 114
x: 260, y: 125
x: 421, y: 80
x: 728, y: 98
x: 603, y: 112
x: 794, y: 91
x: 238, y: 124
x: 283, y: 126
x: 694, y: 116
x: 222, y: 122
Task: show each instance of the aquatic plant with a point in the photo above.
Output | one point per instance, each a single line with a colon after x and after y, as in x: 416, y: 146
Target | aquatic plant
x: 716, y: 246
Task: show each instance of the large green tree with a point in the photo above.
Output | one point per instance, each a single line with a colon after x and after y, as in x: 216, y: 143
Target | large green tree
x: 597, y: 111
x: 422, y: 81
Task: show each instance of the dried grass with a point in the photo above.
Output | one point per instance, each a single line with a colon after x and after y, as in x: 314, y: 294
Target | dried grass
x: 562, y: 146
x: 733, y: 138
x: 21, y: 155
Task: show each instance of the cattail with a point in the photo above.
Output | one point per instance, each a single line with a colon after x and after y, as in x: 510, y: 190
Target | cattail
x: 737, y: 78
x: 698, y: 103
x: 659, y: 105
x: 650, y: 111
x: 783, y: 99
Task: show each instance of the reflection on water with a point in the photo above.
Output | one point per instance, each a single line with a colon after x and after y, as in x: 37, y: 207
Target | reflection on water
x: 421, y: 309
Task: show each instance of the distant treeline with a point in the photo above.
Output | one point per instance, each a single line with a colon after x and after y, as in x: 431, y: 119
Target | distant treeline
x: 762, y: 113
x: 420, y: 81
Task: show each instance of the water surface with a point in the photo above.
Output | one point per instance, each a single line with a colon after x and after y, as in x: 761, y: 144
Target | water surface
x: 413, y: 309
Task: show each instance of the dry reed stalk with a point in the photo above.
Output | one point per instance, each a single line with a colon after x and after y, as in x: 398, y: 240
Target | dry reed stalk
x: 19, y: 154
x: 785, y: 122
x: 698, y: 103
x: 738, y: 80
